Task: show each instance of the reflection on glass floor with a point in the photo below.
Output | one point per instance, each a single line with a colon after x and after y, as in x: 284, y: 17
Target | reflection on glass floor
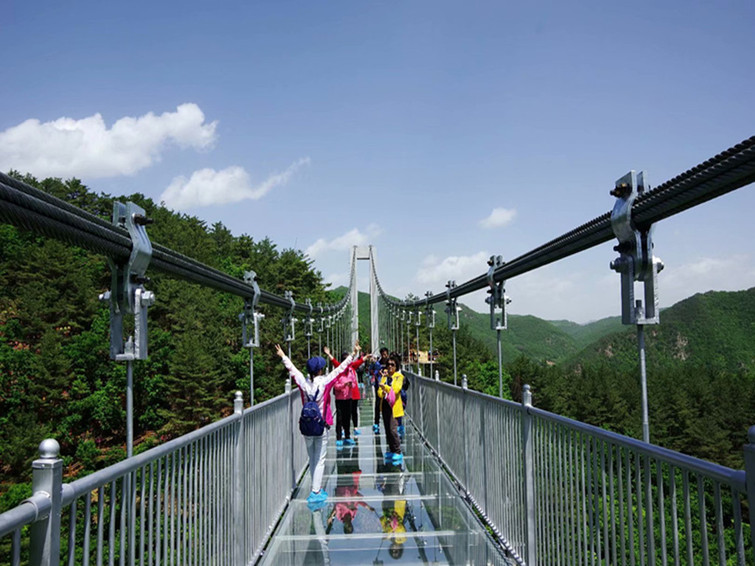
x: 379, y: 513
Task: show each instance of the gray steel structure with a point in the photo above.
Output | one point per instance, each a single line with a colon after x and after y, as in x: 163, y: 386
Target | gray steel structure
x: 557, y: 491
x: 212, y: 496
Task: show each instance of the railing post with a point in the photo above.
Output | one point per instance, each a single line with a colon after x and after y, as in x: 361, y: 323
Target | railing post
x: 291, y: 431
x: 238, y: 482
x: 749, y: 456
x: 464, y: 385
x: 47, y: 479
x: 529, y: 476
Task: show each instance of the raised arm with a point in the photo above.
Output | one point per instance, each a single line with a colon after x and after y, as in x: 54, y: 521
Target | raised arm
x: 292, y: 370
x: 342, y: 367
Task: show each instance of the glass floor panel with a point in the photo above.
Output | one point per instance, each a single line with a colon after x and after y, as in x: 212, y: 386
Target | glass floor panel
x: 379, y: 513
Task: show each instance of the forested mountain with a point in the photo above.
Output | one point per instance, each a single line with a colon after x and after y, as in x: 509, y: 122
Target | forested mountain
x: 56, y: 378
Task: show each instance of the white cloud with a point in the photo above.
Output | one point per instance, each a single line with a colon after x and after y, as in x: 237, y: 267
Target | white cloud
x: 499, y: 217
x: 353, y: 237
x: 435, y: 273
x: 732, y: 273
x: 87, y: 148
x: 206, y: 187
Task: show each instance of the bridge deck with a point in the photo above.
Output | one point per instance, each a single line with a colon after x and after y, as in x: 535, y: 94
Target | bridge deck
x: 408, y: 514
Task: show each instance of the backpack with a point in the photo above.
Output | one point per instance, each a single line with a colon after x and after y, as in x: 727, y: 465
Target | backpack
x: 407, y: 384
x: 311, y: 422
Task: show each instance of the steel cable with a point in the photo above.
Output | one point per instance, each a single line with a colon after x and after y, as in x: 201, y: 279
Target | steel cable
x: 32, y: 209
x: 729, y: 170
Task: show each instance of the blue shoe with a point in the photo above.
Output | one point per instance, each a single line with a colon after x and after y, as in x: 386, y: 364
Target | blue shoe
x: 349, y: 442
x: 317, y: 497
x: 339, y: 443
x: 376, y: 429
x: 397, y: 458
x: 401, y: 429
x: 357, y: 431
x: 388, y: 455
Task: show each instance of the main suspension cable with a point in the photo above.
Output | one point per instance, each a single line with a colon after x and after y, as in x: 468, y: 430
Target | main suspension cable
x: 32, y: 209
x: 726, y: 172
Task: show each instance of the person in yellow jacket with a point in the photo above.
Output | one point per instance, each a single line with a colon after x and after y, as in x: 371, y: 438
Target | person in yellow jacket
x: 392, y: 379
x: 392, y: 522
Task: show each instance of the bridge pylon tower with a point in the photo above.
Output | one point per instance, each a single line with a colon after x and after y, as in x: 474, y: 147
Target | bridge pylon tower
x: 367, y: 253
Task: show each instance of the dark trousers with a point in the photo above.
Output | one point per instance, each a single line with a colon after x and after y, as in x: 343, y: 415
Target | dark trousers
x: 343, y: 418
x: 391, y: 428
x: 355, y: 412
x: 378, y: 400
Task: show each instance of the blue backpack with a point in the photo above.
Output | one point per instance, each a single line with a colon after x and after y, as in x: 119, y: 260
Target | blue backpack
x: 311, y: 422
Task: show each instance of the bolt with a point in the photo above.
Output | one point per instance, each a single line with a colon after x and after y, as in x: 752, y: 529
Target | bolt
x: 141, y: 220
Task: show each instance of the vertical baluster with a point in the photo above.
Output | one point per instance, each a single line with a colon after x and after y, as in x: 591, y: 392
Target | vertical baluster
x: 719, y: 523
x: 622, y: 526
x: 630, y: 508
x: 661, y: 511
x: 72, y: 532
x: 736, y: 502
x: 604, y: 491
x: 703, y: 520
x: 687, y: 515
x: 638, y: 468
x: 674, y: 515
x: 87, y: 528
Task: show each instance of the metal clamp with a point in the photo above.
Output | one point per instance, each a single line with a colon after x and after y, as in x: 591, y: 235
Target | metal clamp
x: 429, y: 311
x: 128, y: 294
x: 309, y: 321
x: 497, y: 298
x: 321, y: 319
x: 250, y: 316
x: 636, y: 261
x: 452, y: 309
x: 288, y: 321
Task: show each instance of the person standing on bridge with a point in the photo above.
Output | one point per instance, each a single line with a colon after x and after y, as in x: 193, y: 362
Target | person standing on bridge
x: 344, y: 388
x: 391, y: 407
x: 376, y: 369
x: 317, y: 386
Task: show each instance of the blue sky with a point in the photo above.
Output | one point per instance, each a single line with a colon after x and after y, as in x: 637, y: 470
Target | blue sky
x: 439, y: 132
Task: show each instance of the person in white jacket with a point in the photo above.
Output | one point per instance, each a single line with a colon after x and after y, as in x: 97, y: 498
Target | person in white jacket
x: 321, y: 385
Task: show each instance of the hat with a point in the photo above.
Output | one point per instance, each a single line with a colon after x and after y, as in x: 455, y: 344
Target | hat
x: 315, y: 364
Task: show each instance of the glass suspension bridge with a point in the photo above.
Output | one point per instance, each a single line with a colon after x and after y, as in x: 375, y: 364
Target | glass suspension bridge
x: 484, y: 480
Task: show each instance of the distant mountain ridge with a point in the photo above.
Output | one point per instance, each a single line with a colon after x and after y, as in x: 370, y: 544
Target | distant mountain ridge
x: 714, y: 327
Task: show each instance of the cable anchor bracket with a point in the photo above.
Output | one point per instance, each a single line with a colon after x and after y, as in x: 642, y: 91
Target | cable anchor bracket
x: 127, y: 294
x: 309, y: 321
x: 497, y: 298
x: 452, y: 309
x: 429, y: 311
x: 288, y: 321
x: 250, y: 318
x: 636, y: 261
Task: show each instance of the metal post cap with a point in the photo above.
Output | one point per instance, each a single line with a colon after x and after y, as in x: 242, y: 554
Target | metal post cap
x: 49, y: 449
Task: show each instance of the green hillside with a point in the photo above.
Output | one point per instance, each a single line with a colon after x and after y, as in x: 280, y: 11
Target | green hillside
x: 584, y: 334
x: 714, y: 329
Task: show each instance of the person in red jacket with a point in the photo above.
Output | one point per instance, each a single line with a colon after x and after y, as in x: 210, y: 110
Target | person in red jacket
x: 344, y: 385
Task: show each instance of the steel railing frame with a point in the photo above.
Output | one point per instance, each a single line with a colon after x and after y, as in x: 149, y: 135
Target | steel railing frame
x: 213, y: 492
x: 558, y: 491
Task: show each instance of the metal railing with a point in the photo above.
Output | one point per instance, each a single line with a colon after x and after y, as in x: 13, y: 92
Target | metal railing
x: 558, y: 491
x: 212, y: 496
